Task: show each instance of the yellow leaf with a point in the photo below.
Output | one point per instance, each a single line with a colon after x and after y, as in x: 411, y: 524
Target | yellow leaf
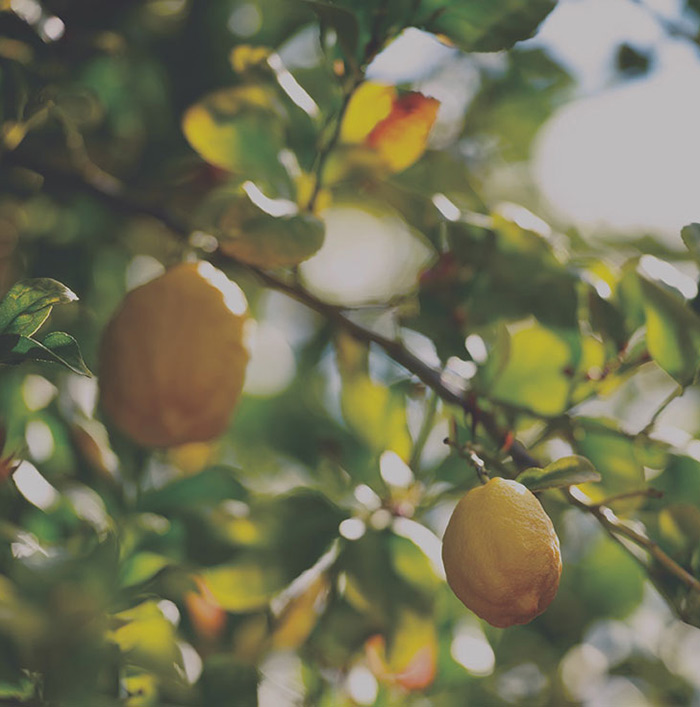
x: 142, y: 690
x: 376, y: 415
x: 400, y: 139
x: 300, y: 616
x: 246, y: 586
x: 194, y: 456
x: 147, y: 637
x: 369, y: 104
x: 237, y: 129
x: 246, y: 56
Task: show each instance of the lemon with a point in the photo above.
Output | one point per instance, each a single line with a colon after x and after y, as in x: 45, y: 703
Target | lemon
x: 172, y: 359
x: 501, y: 553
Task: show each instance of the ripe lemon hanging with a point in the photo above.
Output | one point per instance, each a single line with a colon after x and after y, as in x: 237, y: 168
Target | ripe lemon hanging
x: 501, y: 553
x: 173, y: 357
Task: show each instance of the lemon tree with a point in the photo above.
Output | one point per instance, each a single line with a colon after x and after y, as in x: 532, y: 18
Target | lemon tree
x: 320, y: 384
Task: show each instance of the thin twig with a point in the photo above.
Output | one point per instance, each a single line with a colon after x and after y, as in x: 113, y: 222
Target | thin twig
x: 648, y: 492
x: 467, y: 452
x: 618, y: 528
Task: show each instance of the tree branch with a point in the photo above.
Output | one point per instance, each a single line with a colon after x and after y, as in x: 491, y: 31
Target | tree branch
x: 115, y: 196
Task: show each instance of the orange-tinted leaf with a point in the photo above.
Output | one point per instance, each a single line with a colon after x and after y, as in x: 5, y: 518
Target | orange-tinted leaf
x: 412, y: 659
x: 400, y: 138
x: 370, y: 104
x: 207, y: 617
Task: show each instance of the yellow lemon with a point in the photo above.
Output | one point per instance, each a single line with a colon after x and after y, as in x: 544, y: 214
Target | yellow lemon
x: 501, y: 553
x: 173, y: 357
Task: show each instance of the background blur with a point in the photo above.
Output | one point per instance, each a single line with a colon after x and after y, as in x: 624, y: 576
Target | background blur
x: 534, y: 252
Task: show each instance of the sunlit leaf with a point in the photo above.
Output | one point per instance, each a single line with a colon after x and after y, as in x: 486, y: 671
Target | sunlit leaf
x: 148, y: 638
x: 614, y: 456
x: 369, y: 105
x: 400, y: 138
x: 28, y: 304
x: 673, y: 332
x: 484, y: 27
x: 142, y: 690
x: 57, y: 347
x: 238, y: 129
x: 412, y: 656
x: 300, y: 616
x: 142, y: 567
x: 535, y: 375
x: 566, y: 471
x: 244, y: 586
x: 411, y: 564
x: 376, y: 414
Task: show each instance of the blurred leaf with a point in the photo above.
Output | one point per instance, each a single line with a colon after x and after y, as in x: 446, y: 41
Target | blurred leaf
x: 247, y: 585
x: 535, y: 376
x: 567, y: 471
x: 370, y: 103
x: 410, y: 563
x: 254, y: 236
x: 673, y: 332
x: 57, y: 347
x: 376, y: 414
x: 225, y: 680
x: 238, y: 129
x: 691, y: 237
x: 412, y: 659
x: 300, y: 616
x: 609, y: 581
x: 208, y: 487
x: 484, y: 27
x: 401, y: 138
x: 512, y: 106
x: 205, y: 613
x: 148, y: 639
x: 614, y: 456
x: 141, y: 567
x: 28, y: 304
x: 342, y: 22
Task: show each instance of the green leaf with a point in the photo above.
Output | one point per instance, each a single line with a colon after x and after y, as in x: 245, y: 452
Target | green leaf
x: 225, y: 681
x: 209, y: 487
x: 484, y: 26
x: 238, y: 129
x: 28, y: 304
x: 245, y: 586
x: 251, y: 235
x: 673, y: 332
x: 141, y: 567
x: 567, y: 471
x: 613, y: 454
x: 57, y: 347
x: 535, y: 376
x: 342, y: 21
x: 691, y: 237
